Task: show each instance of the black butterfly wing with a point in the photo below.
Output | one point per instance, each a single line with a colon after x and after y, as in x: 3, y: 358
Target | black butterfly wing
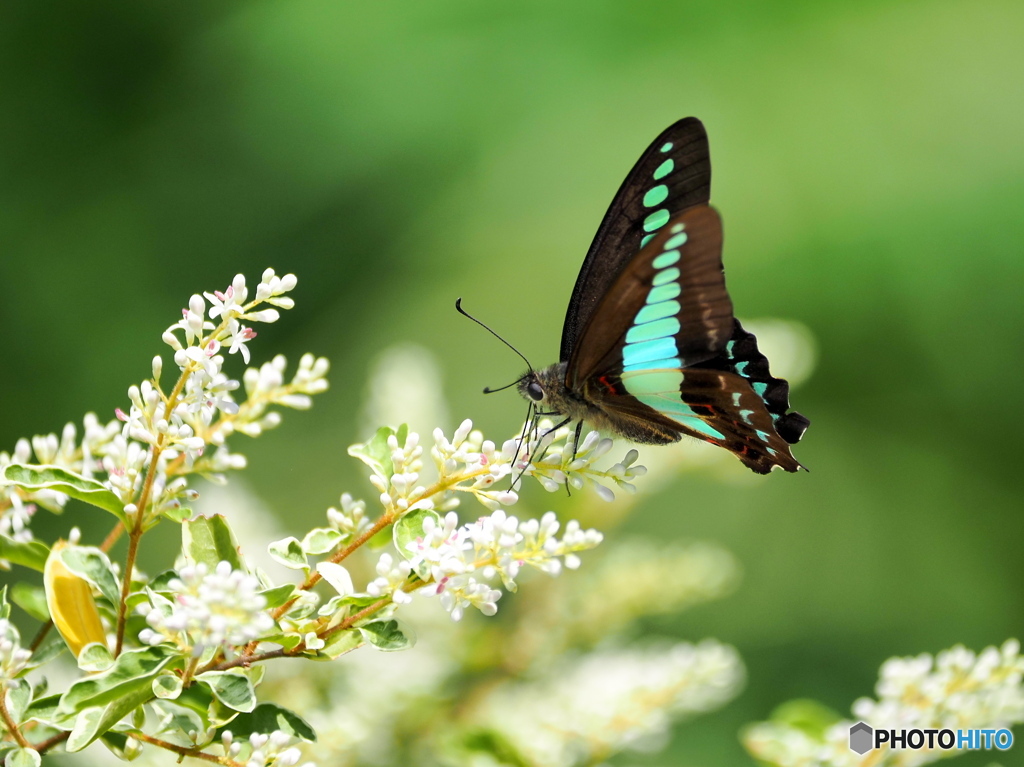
x: 663, y: 356
x: 673, y: 174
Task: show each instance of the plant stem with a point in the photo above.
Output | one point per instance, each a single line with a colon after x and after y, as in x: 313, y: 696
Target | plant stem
x: 112, y: 537
x: 49, y: 743
x: 195, y: 753
x: 12, y: 726
x: 40, y: 636
x: 186, y: 678
x: 138, y: 526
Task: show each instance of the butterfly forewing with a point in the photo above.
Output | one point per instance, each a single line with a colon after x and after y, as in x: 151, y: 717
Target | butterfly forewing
x: 667, y: 309
x: 673, y: 174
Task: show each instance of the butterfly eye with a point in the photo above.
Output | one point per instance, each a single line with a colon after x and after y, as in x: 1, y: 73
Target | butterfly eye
x: 535, y: 391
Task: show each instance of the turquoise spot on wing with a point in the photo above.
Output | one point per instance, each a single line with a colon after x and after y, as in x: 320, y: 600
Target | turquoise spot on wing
x: 646, y: 239
x: 703, y: 427
x: 668, y: 404
x: 677, y: 228
x: 740, y: 367
x: 656, y: 220
x: 655, y: 381
x: 667, y: 147
x: 675, y: 242
x: 651, y: 330
x: 653, y: 312
x: 664, y: 169
x: 646, y: 351
x: 762, y: 435
x: 665, y: 276
x: 745, y: 415
x: 655, y: 195
x: 728, y: 350
x: 773, y: 452
x: 760, y: 387
x: 660, y: 364
x: 667, y: 258
x: 664, y: 293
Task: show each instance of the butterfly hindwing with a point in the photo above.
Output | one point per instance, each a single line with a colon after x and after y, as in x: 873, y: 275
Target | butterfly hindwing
x: 711, y: 405
x: 742, y: 357
x: 673, y: 174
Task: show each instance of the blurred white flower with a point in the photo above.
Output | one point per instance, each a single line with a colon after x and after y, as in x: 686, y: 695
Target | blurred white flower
x: 956, y: 689
x: 13, y: 657
x: 611, y: 701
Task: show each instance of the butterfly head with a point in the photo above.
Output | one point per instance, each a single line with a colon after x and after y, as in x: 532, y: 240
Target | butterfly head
x: 545, y: 389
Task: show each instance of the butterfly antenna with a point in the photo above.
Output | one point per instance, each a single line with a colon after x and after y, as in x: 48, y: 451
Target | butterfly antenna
x: 464, y: 313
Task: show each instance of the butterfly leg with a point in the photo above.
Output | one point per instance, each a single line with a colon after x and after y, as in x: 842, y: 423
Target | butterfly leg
x: 576, y: 439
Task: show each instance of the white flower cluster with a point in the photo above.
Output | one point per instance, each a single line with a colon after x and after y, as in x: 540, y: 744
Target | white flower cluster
x: 350, y: 520
x: 17, y: 506
x: 401, y: 490
x: 203, y: 412
x: 13, y: 657
x: 207, y: 609
x: 278, y: 749
x: 611, y: 701
x: 957, y: 689
x: 461, y: 563
x: 546, y: 454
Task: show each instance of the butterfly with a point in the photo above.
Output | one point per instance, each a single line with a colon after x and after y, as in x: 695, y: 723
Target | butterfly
x: 651, y: 350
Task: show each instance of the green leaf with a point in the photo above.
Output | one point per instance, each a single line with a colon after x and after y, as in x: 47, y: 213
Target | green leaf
x: 387, y: 635
x: 268, y: 717
x: 179, y: 514
x: 133, y: 671
x: 209, y: 540
x: 289, y: 553
x: 494, y: 745
x: 320, y: 540
x: 17, y: 697
x: 812, y: 717
x: 339, y: 644
x: 287, y: 641
x: 189, y: 711
x: 232, y: 689
x: 23, y: 757
x: 278, y: 595
x: 408, y: 529
x: 31, y: 599
x: 122, y: 745
x: 92, y: 565
x: 95, y: 657
x: 376, y: 454
x: 44, y: 711
x: 167, y: 686
x: 31, y: 554
x: 5, y: 607
x: 91, y: 723
x: 92, y: 492
x: 335, y: 605
x: 46, y: 653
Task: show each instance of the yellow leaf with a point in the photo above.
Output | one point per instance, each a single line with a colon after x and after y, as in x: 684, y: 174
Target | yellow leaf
x: 70, y: 600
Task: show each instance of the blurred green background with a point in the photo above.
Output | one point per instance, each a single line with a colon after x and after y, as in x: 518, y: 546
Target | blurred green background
x: 395, y: 155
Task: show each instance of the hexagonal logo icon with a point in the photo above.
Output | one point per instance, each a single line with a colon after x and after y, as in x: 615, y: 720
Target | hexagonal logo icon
x: 861, y: 737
